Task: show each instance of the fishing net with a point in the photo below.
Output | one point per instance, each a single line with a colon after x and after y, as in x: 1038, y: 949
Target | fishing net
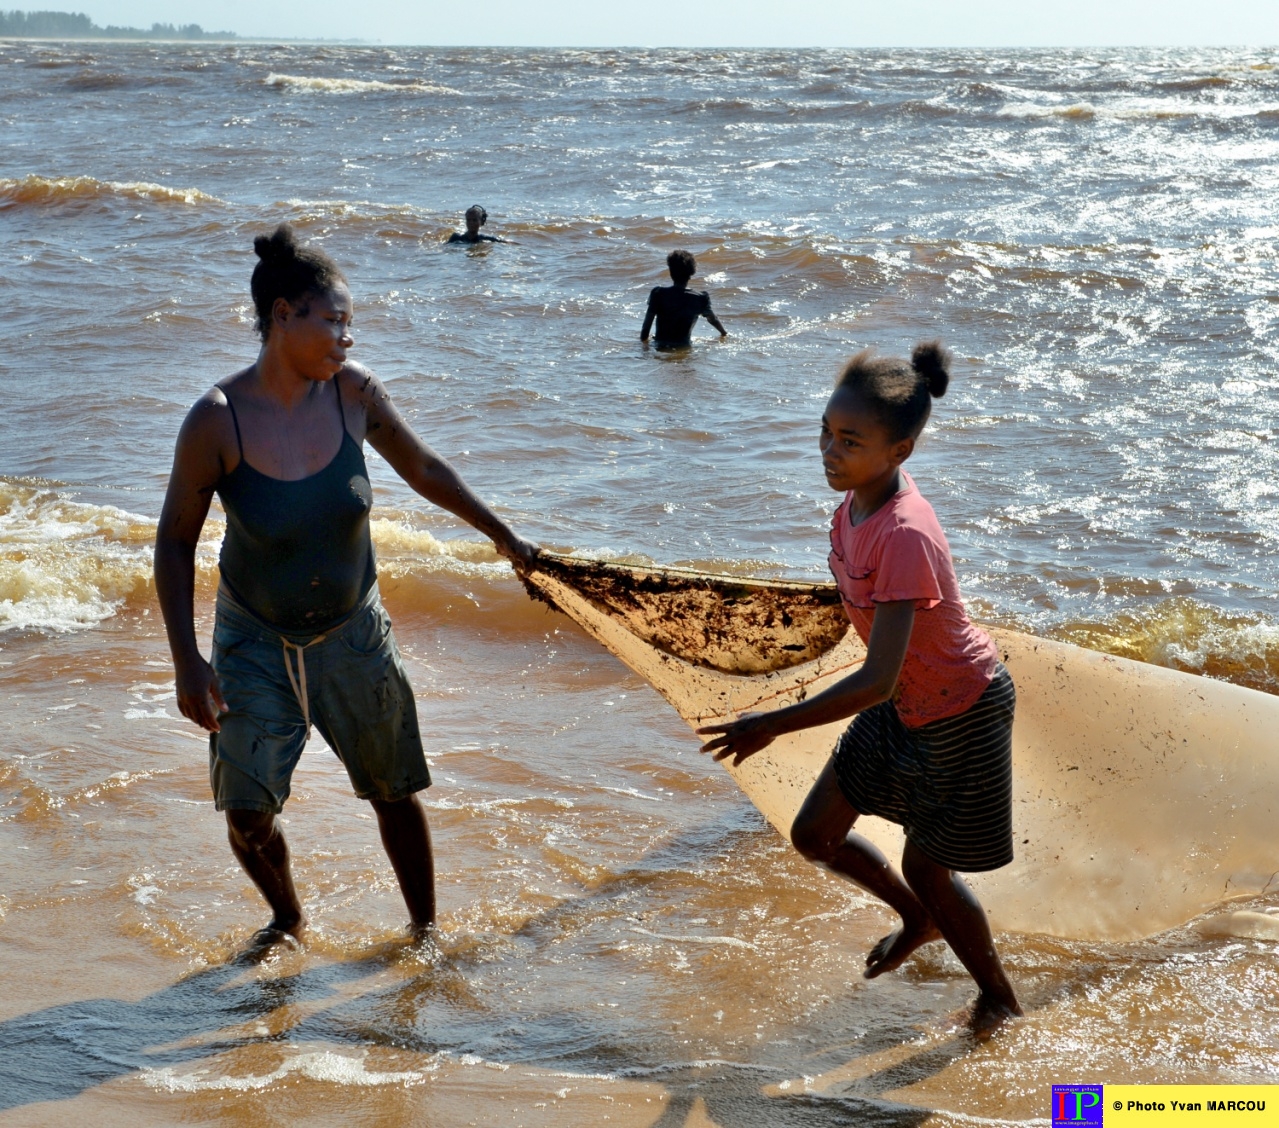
x: 736, y: 626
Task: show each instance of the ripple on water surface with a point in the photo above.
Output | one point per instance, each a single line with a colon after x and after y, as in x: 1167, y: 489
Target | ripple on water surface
x: 1092, y: 232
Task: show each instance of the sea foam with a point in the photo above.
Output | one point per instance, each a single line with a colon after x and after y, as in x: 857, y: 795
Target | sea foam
x: 315, y: 1065
x: 306, y: 84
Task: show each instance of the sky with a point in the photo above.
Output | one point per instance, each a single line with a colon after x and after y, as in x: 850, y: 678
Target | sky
x: 721, y: 23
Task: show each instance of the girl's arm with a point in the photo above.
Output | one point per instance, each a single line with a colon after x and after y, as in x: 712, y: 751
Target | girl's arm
x: 872, y: 683
x: 430, y: 474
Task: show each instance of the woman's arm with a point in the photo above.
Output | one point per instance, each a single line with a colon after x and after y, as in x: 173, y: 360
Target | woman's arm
x: 872, y: 683
x: 197, y: 466
x: 427, y: 472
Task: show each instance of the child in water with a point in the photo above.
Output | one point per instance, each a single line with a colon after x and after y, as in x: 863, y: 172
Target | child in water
x: 476, y: 217
x: 677, y: 308
x: 931, y: 745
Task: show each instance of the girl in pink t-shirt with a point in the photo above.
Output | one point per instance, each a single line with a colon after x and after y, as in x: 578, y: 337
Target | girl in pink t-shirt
x: 930, y: 747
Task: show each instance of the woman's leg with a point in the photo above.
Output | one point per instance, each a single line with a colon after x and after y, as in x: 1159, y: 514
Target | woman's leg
x: 258, y: 844
x: 963, y: 923
x: 823, y: 833
x: 407, y: 839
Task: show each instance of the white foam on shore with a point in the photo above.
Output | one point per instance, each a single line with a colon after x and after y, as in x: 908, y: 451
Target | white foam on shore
x: 727, y: 941
x: 314, y: 1065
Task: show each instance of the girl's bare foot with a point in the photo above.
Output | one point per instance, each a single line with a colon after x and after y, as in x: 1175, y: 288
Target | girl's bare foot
x: 989, y: 1015
x: 894, y: 949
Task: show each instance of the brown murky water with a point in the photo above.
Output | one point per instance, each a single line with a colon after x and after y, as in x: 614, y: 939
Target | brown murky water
x: 623, y: 939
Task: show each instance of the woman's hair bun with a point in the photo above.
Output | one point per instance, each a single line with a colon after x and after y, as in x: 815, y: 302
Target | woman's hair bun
x: 932, y: 361
x: 290, y: 270
x: 280, y: 246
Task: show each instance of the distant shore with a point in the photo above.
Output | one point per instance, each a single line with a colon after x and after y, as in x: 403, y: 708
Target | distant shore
x: 76, y: 27
x: 238, y: 40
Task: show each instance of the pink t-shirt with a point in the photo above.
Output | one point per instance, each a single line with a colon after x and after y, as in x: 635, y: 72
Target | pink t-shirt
x: 899, y: 552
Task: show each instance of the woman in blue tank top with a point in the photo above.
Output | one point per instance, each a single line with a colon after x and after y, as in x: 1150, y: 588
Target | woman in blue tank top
x: 300, y: 637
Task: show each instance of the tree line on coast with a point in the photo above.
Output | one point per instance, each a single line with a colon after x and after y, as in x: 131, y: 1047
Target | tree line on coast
x: 76, y: 25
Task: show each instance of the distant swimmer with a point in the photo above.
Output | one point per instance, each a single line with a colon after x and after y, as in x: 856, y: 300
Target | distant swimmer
x: 476, y: 217
x: 300, y: 637
x: 930, y: 746
x: 676, y: 308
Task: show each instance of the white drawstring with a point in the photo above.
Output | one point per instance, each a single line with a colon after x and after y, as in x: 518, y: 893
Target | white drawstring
x: 299, y: 683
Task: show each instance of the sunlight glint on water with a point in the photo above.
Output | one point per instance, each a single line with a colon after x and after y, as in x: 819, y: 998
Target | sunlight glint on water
x: 1092, y: 233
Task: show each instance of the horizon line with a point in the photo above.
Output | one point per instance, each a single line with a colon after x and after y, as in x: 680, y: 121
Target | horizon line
x: 236, y: 38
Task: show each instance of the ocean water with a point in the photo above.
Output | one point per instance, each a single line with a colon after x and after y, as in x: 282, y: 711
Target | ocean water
x: 623, y: 938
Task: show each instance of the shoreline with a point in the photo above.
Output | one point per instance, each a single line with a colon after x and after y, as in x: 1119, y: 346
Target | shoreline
x: 238, y: 40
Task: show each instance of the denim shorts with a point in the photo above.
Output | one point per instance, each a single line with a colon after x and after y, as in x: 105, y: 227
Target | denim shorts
x: 355, y: 691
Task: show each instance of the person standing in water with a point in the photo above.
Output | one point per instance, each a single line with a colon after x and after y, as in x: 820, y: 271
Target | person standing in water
x: 300, y: 636
x: 676, y: 308
x: 931, y: 745
x: 476, y: 217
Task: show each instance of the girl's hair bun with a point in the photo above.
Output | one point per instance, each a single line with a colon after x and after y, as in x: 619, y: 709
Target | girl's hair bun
x: 280, y: 246
x: 932, y: 361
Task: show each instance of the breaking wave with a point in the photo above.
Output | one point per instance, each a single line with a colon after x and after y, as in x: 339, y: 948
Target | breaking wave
x: 44, y: 191
x: 64, y: 564
x: 1141, y: 109
x: 305, y: 84
x: 69, y: 565
x: 1185, y: 634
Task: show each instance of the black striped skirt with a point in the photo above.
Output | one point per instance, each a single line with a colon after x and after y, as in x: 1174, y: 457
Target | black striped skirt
x: 949, y: 784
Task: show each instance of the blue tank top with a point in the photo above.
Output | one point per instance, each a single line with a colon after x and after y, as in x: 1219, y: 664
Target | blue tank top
x: 298, y: 554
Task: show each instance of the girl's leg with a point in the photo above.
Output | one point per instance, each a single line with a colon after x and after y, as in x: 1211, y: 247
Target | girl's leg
x: 822, y: 832
x: 963, y: 923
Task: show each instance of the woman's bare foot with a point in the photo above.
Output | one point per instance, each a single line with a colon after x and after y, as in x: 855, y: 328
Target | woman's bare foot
x: 421, y: 933
x: 895, y: 948
x: 988, y: 1016
x: 275, y: 935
